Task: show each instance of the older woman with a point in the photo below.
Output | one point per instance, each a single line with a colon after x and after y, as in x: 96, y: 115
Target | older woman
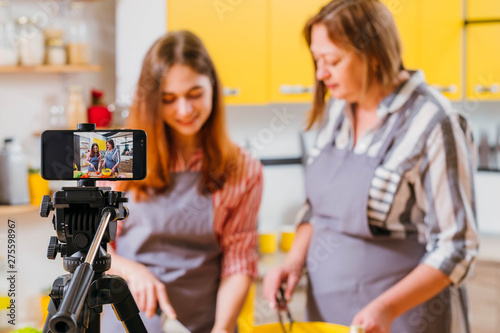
x: 389, y: 233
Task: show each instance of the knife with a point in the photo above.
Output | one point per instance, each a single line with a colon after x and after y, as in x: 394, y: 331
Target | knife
x: 170, y: 325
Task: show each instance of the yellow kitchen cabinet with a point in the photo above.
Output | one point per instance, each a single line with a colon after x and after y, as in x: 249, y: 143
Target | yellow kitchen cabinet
x: 483, y: 9
x: 234, y: 32
x: 291, y: 66
x: 431, y: 40
x: 483, y: 62
x: 407, y: 14
x: 440, y: 45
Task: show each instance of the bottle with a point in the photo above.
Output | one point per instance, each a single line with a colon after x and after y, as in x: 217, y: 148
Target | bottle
x: 8, y: 49
x: 78, y: 37
x: 98, y: 111
x: 13, y: 174
x: 76, y: 112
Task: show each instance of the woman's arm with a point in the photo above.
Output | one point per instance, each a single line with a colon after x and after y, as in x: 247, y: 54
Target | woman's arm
x: 116, y: 156
x: 291, y: 271
x: 238, y: 240
x: 146, y: 289
x: 417, y: 287
x: 230, y: 299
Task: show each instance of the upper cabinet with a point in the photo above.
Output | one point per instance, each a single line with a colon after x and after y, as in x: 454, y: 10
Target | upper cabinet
x: 291, y: 64
x: 430, y: 33
x: 234, y: 32
x: 483, y: 9
x: 257, y: 46
x: 483, y: 64
x: 260, y: 51
x: 440, y: 45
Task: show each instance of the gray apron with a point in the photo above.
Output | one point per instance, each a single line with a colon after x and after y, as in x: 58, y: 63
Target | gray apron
x: 94, y: 161
x: 173, y: 236
x: 108, y: 158
x: 348, y: 266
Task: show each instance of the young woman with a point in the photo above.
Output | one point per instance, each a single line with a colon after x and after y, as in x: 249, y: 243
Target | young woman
x: 190, y: 242
x: 94, y: 158
x: 111, y: 157
x: 389, y: 233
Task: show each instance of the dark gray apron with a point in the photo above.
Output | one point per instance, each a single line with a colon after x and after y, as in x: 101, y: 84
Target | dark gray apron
x: 173, y: 236
x: 108, y: 158
x: 94, y: 161
x: 347, y: 265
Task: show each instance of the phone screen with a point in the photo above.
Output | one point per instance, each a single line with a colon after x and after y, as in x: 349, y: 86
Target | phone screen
x: 100, y: 155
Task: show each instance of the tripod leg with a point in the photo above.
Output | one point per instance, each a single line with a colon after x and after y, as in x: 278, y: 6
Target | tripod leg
x: 112, y: 289
x: 51, y: 311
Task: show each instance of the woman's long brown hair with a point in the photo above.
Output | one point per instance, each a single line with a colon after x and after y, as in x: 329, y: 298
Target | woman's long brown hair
x: 92, y: 153
x: 220, y: 155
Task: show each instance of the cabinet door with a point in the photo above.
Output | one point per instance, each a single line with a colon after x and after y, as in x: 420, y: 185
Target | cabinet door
x: 406, y: 14
x: 440, y: 44
x: 483, y: 9
x: 291, y: 64
x: 234, y: 32
x: 483, y: 64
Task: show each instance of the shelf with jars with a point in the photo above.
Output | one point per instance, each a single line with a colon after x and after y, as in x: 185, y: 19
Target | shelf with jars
x: 32, y: 45
x: 57, y: 69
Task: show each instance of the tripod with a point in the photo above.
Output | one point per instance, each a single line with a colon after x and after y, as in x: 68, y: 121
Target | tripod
x: 83, y: 213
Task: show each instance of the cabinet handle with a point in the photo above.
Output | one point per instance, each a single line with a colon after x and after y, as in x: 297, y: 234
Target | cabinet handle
x: 231, y: 91
x: 452, y: 88
x: 297, y: 89
x: 481, y: 89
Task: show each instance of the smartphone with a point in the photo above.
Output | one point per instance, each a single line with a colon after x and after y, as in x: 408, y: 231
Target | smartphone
x: 98, y: 154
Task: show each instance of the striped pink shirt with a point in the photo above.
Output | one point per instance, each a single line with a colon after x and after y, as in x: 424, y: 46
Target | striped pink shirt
x: 235, y: 214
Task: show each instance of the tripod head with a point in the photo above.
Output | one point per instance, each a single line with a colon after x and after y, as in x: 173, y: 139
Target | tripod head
x: 78, y: 211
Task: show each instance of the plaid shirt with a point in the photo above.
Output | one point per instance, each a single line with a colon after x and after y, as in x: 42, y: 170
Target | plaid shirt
x: 236, y: 207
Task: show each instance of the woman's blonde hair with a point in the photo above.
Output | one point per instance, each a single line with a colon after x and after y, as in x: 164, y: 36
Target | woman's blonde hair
x: 220, y: 155
x: 365, y: 27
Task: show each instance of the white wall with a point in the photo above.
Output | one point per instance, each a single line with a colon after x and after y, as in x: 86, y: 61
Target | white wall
x: 138, y: 25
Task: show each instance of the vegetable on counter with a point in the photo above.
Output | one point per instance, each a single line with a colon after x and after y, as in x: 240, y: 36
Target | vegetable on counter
x: 27, y: 330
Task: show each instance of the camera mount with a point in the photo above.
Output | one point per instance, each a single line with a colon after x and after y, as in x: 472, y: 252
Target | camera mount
x: 85, y: 220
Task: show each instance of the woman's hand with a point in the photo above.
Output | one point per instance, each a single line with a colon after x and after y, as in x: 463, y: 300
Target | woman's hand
x: 147, y: 290
x: 288, y: 274
x: 375, y: 318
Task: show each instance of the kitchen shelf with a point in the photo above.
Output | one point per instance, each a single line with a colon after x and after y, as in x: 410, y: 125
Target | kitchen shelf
x: 50, y: 69
x: 6, y: 210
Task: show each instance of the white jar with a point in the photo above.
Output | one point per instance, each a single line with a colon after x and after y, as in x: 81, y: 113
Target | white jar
x: 56, y: 53
x: 31, y: 43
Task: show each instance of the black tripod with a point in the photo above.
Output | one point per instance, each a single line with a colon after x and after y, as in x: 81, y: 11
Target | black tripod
x: 85, y: 221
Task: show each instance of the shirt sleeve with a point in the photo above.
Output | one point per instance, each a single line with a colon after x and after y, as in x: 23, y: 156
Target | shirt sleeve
x: 239, y: 237
x: 445, y: 192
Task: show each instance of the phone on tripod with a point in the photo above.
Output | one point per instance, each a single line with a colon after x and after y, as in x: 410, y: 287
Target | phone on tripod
x: 85, y: 220
x: 95, y: 154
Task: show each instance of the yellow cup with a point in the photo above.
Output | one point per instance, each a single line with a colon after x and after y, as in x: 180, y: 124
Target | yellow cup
x: 44, y: 302
x: 38, y: 188
x: 287, y: 236
x: 268, y: 243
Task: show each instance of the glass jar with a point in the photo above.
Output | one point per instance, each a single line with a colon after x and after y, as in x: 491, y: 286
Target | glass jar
x: 55, y: 52
x: 31, y: 42
x: 78, y: 37
x: 8, y: 49
x: 76, y: 111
